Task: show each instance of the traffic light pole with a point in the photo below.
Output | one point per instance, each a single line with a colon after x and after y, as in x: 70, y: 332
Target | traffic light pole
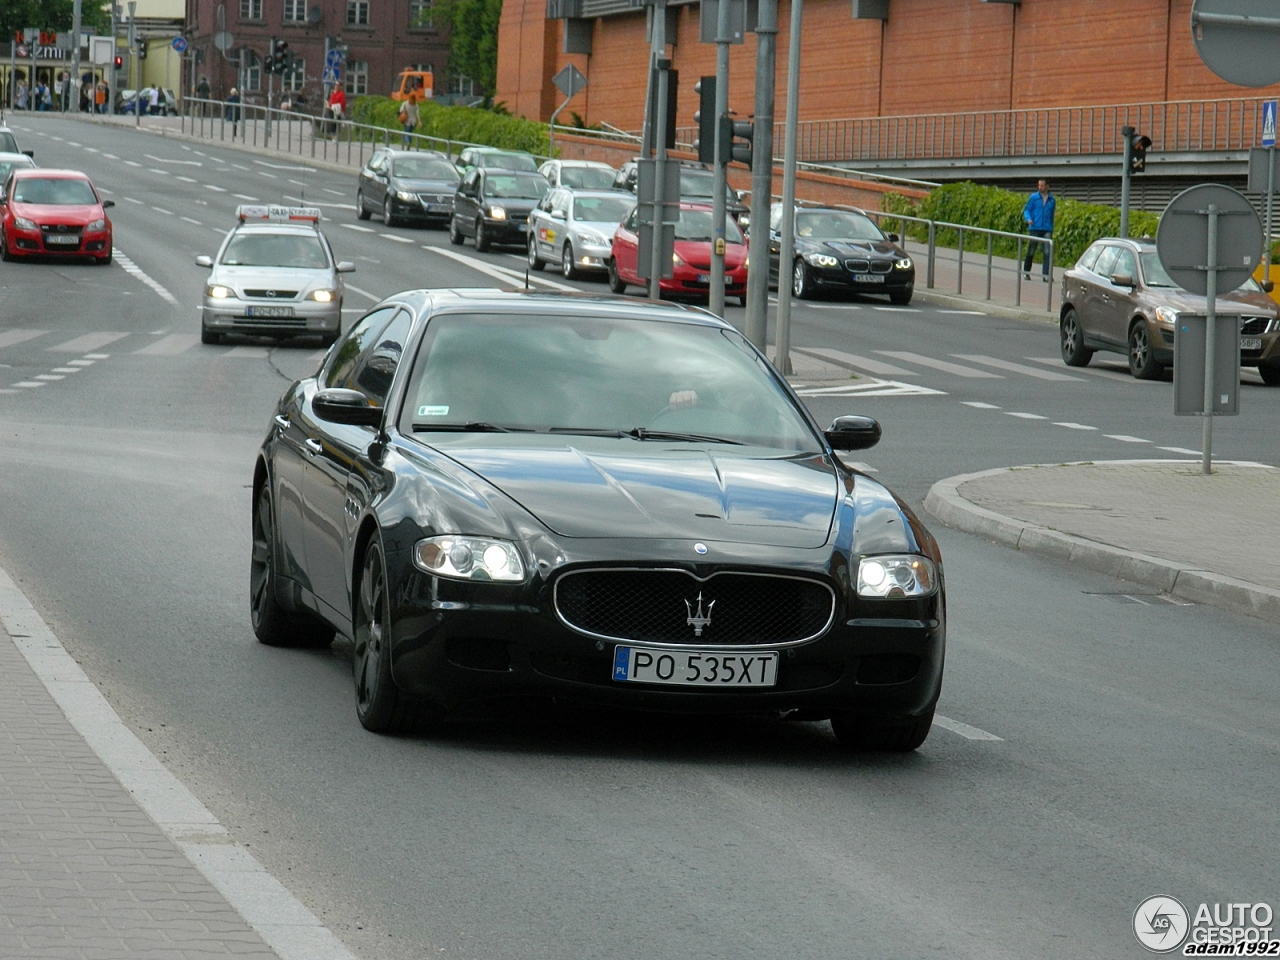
x: 757, y: 321
x: 786, y: 246
x: 722, y: 152
x: 1126, y: 176
x: 73, y: 88
x: 659, y: 134
x: 136, y: 63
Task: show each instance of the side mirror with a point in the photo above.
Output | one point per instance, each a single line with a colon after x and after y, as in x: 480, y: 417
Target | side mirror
x: 204, y: 260
x: 853, y: 433
x: 346, y: 406
x: 893, y: 237
x: 346, y: 266
x: 1268, y: 286
x: 557, y: 214
x: 1122, y: 280
x: 108, y: 204
x: 30, y: 153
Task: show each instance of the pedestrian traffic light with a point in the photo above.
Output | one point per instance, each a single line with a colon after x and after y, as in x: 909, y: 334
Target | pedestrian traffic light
x: 705, y: 118
x: 142, y: 49
x: 1138, y: 144
x: 735, y: 139
x: 119, y: 62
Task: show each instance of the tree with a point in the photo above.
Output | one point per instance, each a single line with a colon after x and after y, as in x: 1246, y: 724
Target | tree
x: 54, y: 15
x: 473, y: 41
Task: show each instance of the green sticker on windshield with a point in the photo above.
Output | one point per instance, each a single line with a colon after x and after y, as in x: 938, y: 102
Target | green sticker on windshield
x: 433, y: 411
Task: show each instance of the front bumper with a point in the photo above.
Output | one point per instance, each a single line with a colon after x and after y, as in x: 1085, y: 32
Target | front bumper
x: 37, y: 243
x: 591, y: 256
x: 307, y: 316
x: 838, y: 277
x: 509, y: 230
x: 417, y: 209
x: 689, y: 281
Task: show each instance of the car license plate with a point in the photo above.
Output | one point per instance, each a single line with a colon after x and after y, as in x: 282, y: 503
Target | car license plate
x: 62, y: 238
x: 268, y: 311
x: 695, y: 668
x: 439, y: 207
x: 868, y: 278
x: 1250, y: 343
x: 706, y: 278
x: 522, y: 227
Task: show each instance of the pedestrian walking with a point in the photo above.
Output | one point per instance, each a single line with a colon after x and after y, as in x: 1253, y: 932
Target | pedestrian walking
x: 337, y: 107
x: 155, y: 101
x: 1038, y: 213
x: 409, y: 117
x: 20, y: 96
x: 202, y: 93
x: 45, y: 97
x: 231, y: 112
x: 100, y: 97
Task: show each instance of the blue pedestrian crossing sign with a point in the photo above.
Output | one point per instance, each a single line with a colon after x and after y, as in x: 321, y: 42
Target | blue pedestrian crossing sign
x: 1269, y: 123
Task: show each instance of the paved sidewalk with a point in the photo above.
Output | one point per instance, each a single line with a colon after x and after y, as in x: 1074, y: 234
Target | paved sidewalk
x: 1161, y: 523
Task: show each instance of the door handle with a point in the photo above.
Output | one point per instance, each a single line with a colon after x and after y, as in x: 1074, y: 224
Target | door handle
x: 282, y: 422
x: 314, y: 446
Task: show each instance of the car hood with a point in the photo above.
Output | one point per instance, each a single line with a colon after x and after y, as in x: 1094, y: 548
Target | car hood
x: 696, y: 252
x: 1236, y: 303
x: 58, y: 212
x: 425, y: 186
x: 516, y: 204
x: 270, y: 278
x: 601, y: 487
x: 859, y: 248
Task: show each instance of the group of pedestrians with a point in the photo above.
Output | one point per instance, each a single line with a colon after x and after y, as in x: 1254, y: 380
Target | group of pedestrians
x: 93, y: 96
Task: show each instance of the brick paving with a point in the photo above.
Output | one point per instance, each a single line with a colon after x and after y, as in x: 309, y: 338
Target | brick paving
x: 85, y: 874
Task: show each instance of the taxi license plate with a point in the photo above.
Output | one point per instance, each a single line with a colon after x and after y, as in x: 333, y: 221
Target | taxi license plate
x: 868, y: 278
x: 62, y: 238
x: 268, y: 311
x: 1250, y: 343
x: 695, y: 668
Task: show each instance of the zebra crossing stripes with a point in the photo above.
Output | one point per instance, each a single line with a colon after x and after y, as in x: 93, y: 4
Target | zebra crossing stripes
x: 946, y: 366
x: 88, y: 342
x: 871, y: 388
x: 174, y: 343
x: 9, y: 338
x: 161, y: 345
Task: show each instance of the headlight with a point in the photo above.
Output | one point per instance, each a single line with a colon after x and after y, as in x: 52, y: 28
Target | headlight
x: 1166, y: 315
x: 469, y: 558
x: 903, y: 264
x: 822, y: 260
x: 896, y: 577
x: 497, y: 213
x: 676, y: 259
x: 98, y: 224
x: 218, y: 292
x: 22, y: 223
x: 594, y: 239
x: 406, y: 196
x: 321, y: 296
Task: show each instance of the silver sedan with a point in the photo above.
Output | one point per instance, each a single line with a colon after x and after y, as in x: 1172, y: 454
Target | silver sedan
x: 574, y: 229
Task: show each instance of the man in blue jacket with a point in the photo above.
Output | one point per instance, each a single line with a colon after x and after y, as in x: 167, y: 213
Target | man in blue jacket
x: 1038, y: 213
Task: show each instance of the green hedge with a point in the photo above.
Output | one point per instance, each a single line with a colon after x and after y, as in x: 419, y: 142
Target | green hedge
x: 1076, y: 224
x: 464, y: 124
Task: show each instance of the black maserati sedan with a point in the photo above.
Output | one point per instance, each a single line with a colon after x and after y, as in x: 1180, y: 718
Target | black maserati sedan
x: 841, y: 250
x: 503, y: 494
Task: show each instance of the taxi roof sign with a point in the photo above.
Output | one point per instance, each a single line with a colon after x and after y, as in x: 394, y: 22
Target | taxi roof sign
x: 271, y: 213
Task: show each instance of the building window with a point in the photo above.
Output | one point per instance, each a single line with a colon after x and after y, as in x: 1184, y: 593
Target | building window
x: 421, y: 14
x: 250, y: 9
x: 357, y: 84
x: 253, y: 72
x: 358, y: 12
x: 461, y: 86
x: 295, y: 10
x: 295, y: 81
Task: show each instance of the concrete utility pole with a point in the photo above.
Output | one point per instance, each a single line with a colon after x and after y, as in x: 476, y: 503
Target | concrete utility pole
x: 786, y: 250
x: 660, y: 64
x: 137, y: 70
x: 757, y: 323
x: 719, y: 183
x: 73, y: 88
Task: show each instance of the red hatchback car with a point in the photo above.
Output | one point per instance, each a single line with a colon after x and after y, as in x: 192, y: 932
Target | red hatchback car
x: 53, y: 213
x: 691, y: 273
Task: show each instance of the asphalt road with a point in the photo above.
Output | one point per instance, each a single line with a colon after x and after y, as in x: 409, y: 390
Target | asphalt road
x: 1138, y: 743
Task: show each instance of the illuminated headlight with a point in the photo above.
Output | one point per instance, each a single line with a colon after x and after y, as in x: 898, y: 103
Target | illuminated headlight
x: 1166, y: 315
x: 321, y: 296
x: 822, y: 260
x: 22, y: 223
x: 98, y: 224
x: 677, y: 260
x: 903, y: 264
x: 497, y: 213
x: 896, y: 577
x: 406, y: 196
x: 469, y: 558
x: 218, y: 292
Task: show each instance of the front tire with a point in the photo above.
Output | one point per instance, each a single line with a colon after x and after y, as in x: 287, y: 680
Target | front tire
x: 801, y: 282
x: 1142, y: 358
x: 535, y: 261
x: 1074, y: 352
x: 1270, y: 374
x: 362, y: 211
x: 567, y: 269
x: 272, y: 624
x: 866, y: 734
x: 616, y: 283
x: 455, y: 235
x: 5, y: 255
x: 900, y: 298
x: 482, y: 238
x: 380, y: 705
x: 388, y: 217
x: 207, y: 336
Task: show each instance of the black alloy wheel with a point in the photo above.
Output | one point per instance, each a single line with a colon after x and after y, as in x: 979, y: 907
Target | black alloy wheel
x: 5, y: 255
x: 455, y: 235
x: 535, y: 261
x: 1074, y: 352
x: 482, y: 237
x: 361, y: 211
x: 388, y: 217
x: 616, y: 283
x: 272, y: 624
x: 567, y: 268
x: 1142, y: 358
x: 801, y: 283
x: 1270, y: 374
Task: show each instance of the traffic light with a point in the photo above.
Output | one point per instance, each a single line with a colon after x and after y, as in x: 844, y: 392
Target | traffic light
x: 142, y: 49
x: 735, y: 139
x: 1138, y: 153
x: 119, y: 62
x: 705, y: 118
x: 278, y: 58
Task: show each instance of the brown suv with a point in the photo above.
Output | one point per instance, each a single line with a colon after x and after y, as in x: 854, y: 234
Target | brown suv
x: 1118, y: 297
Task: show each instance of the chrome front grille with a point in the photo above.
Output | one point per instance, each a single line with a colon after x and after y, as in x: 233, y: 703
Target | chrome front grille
x: 272, y: 294
x: 858, y: 266
x: 1254, y: 326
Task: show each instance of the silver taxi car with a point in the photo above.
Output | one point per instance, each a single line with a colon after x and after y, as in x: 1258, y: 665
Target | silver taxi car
x: 574, y: 229
x: 275, y: 275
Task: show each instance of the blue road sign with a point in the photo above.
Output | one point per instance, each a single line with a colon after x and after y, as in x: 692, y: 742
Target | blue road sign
x: 1269, y: 123
x: 333, y: 59
x: 179, y: 44
x: 330, y: 75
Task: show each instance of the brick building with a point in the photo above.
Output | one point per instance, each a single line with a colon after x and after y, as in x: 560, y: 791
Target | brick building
x: 924, y: 57
x: 382, y: 38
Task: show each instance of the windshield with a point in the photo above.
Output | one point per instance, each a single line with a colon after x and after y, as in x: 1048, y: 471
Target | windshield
x: 597, y: 375
x: 836, y: 225
x: 424, y: 168
x: 516, y: 186
x: 696, y: 225
x: 589, y: 178
x: 1154, y: 273
x: 507, y: 161
x: 602, y: 209
x: 7, y: 143
x: 55, y: 192
x: 8, y: 166
x: 275, y: 250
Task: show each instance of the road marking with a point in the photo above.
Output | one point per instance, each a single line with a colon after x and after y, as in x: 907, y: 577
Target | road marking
x: 92, y: 150
x: 297, y: 183
x: 979, y: 405
x: 1125, y: 439
x: 80, y: 363
x: 10, y: 337
x: 189, y: 220
x: 966, y: 731
x: 131, y: 200
x: 877, y: 367
x: 878, y: 388
x: 943, y: 365
x: 363, y: 293
x: 167, y: 213
x: 95, y: 356
x: 134, y: 270
x: 1073, y: 426
x: 49, y: 376
x: 215, y: 188
x: 1014, y: 367
x: 66, y: 369
x: 29, y: 383
x: 336, y: 193
x: 281, y: 166
x: 898, y: 309
x: 189, y: 163
x: 239, y: 166
x: 826, y: 306
x: 357, y: 227
x: 245, y: 196
x: 963, y: 313
x: 251, y: 353
x: 1025, y: 416
x: 132, y: 163
x: 174, y: 343
x: 392, y: 236
x: 187, y: 179
x: 87, y: 342
x: 59, y: 139
x: 163, y: 173
x: 110, y: 156
x: 105, y: 190
x: 323, y: 203
x: 1105, y: 374
x: 505, y: 274
x: 263, y: 173
x: 1191, y: 453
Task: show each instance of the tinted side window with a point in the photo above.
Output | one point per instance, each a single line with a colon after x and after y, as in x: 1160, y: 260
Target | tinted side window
x: 1125, y: 263
x: 376, y: 370
x: 1105, y: 261
x: 353, y: 345
x: 1090, y: 257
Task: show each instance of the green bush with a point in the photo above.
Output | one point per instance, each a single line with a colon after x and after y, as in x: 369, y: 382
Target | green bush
x: 1076, y: 224
x: 462, y: 124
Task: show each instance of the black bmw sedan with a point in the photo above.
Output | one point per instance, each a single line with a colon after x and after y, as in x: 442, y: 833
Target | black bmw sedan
x: 499, y: 494
x: 841, y: 250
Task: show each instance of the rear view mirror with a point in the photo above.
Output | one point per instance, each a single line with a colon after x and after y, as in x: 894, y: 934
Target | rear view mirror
x: 1122, y: 280
x: 1268, y: 286
x: 346, y: 266
x: 853, y: 433
x: 204, y: 261
x: 893, y: 237
x: 346, y: 406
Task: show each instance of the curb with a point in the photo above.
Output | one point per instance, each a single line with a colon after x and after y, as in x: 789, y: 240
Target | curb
x: 1003, y: 311
x: 1181, y: 580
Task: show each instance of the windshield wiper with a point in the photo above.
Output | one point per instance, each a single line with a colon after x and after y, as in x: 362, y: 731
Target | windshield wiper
x: 471, y: 426
x: 644, y: 433
x: 588, y: 431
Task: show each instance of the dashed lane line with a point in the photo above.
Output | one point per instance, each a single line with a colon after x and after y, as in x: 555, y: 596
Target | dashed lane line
x: 132, y: 200
x: 132, y: 163
x: 189, y: 220
x: 187, y: 179
x: 134, y: 270
x: 167, y: 213
x: 397, y: 239
x: 245, y: 196
x: 979, y: 405
x: 505, y: 274
x: 1071, y: 425
x: 356, y: 227
x: 263, y: 173
x: 88, y: 342
x: 1024, y: 416
x: 966, y: 731
x: 215, y: 188
x: 1125, y: 438
x: 159, y: 172
x: 336, y: 193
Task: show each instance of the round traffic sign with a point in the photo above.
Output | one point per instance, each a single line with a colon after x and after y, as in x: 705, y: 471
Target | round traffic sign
x: 333, y: 58
x: 223, y: 40
x: 179, y: 44
x: 1239, y: 51
x: 1182, y: 239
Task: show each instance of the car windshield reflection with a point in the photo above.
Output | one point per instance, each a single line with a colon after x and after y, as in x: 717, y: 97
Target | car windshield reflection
x: 836, y: 225
x: 275, y: 250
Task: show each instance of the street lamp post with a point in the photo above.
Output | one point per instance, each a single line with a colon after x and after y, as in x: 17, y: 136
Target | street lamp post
x: 782, y: 356
x: 757, y: 321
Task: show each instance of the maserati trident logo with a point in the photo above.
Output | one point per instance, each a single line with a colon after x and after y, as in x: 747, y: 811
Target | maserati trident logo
x: 699, y: 619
